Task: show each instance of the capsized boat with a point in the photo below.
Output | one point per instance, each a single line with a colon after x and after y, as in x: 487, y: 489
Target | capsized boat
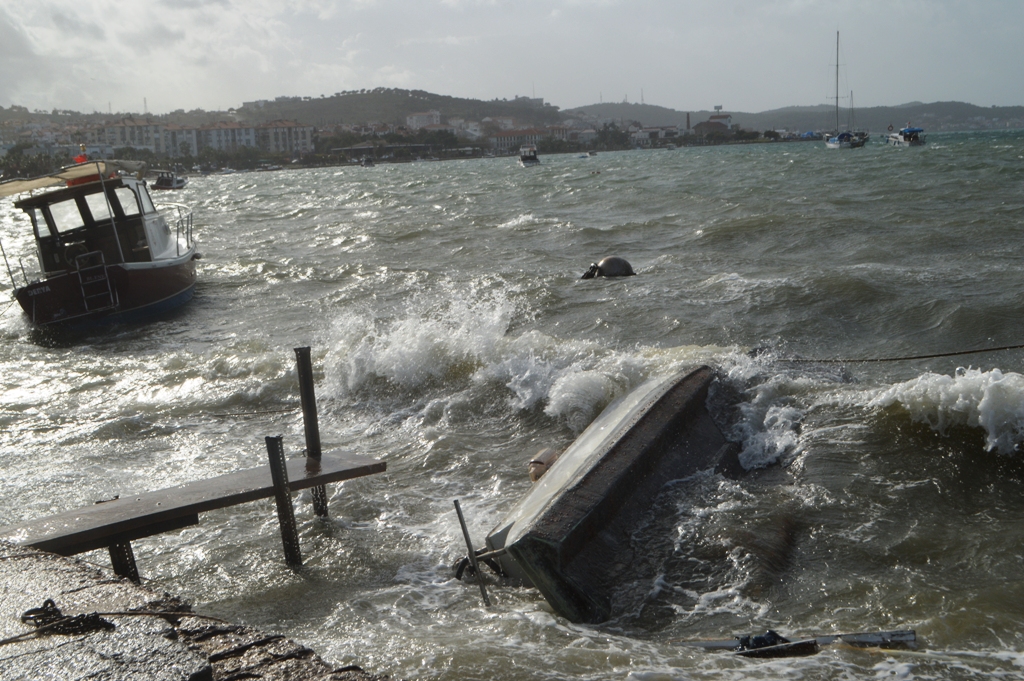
x: 570, y: 535
x: 528, y: 155
x: 168, y: 179
x: 105, y: 252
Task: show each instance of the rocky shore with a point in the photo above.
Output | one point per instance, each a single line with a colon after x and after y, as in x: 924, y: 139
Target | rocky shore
x: 100, y: 626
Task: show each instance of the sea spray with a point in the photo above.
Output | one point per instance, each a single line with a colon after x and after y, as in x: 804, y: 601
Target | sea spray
x: 990, y: 400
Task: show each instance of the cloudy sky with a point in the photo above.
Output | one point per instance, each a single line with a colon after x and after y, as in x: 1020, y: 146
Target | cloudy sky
x: 746, y: 55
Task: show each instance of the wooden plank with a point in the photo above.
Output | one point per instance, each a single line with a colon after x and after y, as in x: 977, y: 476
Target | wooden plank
x: 150, y: 513
x: 70, y: 548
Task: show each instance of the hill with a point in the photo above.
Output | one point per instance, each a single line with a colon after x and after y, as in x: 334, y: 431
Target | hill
x: 933, y: 117
x: 389, y: 105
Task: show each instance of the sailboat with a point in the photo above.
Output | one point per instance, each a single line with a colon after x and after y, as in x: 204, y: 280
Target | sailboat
x: 847, y: 139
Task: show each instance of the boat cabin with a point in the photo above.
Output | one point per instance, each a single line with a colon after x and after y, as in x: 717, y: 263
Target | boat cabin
x: 105, y: 252
x: 101, y: 221
x: 167, y: 179
x: 528, y: 155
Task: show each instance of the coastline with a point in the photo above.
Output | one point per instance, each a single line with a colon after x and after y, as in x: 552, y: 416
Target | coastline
x: 150, y: 634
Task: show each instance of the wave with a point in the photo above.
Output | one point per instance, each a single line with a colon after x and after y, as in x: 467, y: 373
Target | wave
x: 470, y: 350
x: 990, y: 400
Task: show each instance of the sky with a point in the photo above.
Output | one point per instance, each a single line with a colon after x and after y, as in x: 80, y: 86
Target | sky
x: 157, y: 56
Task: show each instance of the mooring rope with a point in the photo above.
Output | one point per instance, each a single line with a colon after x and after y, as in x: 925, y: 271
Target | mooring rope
x: 907, y: 358
x: 257, y: 413
x: 48, y: 619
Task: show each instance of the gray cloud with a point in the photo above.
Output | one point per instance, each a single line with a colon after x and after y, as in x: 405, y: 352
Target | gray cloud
x: 686, y: 54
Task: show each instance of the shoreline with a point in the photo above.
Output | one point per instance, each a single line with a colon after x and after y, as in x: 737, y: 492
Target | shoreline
x: 147, y: 633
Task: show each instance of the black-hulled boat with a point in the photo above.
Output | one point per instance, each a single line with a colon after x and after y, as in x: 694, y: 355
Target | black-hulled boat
x: 528, y: 156
x: 105, y: 252
x: 168, y: 179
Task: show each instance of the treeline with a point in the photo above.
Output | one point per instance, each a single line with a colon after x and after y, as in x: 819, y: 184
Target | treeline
x: 393, y: 105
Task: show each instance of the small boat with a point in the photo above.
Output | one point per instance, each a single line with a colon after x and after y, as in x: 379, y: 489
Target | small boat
x: 906, y: 137
x: 168, y: 179
x: 570, y: 536
x: 105, y: 252
x: 528, y: 155
x: 846, y: 140
x: 843, y: 140
x: 366, y: 162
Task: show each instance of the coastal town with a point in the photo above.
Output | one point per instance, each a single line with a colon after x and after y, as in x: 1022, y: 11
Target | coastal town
x: 320, y: 131
x: 495, y: 135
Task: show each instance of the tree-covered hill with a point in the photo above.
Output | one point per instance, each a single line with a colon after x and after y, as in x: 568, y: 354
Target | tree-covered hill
x: 388, y: 105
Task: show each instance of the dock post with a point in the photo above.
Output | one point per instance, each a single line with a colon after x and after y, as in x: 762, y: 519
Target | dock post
x: 285, y: 511
x: 122, y: 558
x: 310, y: 424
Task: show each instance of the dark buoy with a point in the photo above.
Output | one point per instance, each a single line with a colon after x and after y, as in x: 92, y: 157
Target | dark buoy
x: 609, y: 267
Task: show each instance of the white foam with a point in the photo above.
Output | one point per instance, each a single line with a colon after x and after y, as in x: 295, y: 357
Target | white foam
x: 990, y: 400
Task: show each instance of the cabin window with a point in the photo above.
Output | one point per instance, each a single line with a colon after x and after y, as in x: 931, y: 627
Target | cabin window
x: 98, y: 206
x: 129, y: 203
x: 147, y: 203
x: 66, y: 216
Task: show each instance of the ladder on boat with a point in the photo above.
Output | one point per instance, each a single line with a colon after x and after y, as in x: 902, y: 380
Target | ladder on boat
x: 94, y: 282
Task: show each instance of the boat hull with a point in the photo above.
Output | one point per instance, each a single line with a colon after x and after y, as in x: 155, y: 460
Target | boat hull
x: 109, y: 294
x: 570, y: 536
x: 896, y: 141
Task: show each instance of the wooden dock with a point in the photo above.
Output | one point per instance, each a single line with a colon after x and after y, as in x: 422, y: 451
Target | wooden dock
x: 117, y: 522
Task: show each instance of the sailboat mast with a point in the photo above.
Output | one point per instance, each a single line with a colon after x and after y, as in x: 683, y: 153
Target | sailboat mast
x: 837, y: 82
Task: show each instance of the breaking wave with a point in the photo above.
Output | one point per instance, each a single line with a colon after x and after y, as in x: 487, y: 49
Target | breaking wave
x: 990, y: 400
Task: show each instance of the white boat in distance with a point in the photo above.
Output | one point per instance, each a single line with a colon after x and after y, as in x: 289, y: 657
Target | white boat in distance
x: 906, y: 137
x: 528, y: 155
x: 843, y: 140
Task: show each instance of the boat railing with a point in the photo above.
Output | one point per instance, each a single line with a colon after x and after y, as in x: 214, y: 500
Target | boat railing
x: 181, y: 216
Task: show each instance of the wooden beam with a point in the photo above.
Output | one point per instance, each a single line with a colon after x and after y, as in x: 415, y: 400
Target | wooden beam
x: 127, y: 518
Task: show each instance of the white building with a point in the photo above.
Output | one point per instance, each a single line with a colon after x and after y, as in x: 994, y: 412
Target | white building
x: 416, y: 121
x: 129, y: 133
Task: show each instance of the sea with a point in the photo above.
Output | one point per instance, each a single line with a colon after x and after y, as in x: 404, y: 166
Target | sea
x: 863, y: 309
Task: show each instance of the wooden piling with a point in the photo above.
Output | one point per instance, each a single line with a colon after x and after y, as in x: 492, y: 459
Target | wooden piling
x: 285, y: 510
x: 304, y: 368
x: 122, y: 559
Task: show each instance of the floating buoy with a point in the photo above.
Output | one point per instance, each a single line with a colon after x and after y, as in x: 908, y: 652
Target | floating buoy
x: 611, y: 266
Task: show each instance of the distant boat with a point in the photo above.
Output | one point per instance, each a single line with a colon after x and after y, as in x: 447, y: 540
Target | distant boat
x: 106, y: 253
x: 168, y: 179
x: 528, y: 155
x: 847, y: 139
x: 366, y: 162
x: 906, y: 137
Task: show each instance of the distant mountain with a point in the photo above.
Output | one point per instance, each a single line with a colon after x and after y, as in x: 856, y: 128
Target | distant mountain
x: 933, y: 117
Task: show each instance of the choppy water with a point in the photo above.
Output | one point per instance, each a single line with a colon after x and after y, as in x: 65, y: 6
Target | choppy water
x: 452, y: 337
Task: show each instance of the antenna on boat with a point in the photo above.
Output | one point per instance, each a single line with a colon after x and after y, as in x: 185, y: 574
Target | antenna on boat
x: 472, y: 554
